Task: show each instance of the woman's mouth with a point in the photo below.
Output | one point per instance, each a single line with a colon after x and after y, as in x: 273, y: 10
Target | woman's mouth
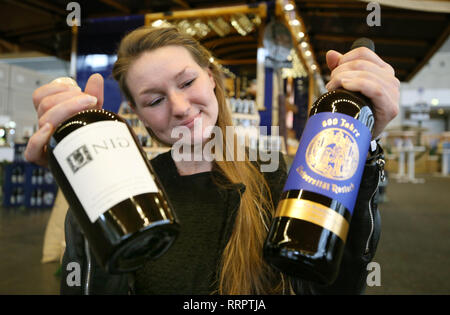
x: 190, y: 121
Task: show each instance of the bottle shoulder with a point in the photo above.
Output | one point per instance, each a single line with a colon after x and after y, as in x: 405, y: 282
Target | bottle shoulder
x: 85, y: 118
x: 342, y: 101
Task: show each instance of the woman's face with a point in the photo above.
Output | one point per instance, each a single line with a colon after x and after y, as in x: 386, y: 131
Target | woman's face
x: 170, y: 90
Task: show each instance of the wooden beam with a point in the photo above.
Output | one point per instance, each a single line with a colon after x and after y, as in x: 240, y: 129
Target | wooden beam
x: 330, y: 5
x: 394, y: 14
x: 182, y: 4
x: 48, y: 6
x: 9, y: 46
x: 29, y: 30
x: 217, y: 42
x: 33, y: 8
x: 242, y: 55
x: 237, y: 62
x: 117, y: 5
x: 391, y: 10
x: 388, y: 59
x: 377, y: 40
x: 294, y: 31
x: 299, y: 2
x: 30, y: 46
x: 391, y: 59
x: 310, y: 93
x: 106, y: 14
x: 398, y: 72
x: 260, y: 9
x: 41, y: 35
x: 439, y: 42
x: 233, y: 47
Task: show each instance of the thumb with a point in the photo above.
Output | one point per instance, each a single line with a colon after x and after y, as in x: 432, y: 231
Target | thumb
x: 94, y: 87
x: 333, y: 58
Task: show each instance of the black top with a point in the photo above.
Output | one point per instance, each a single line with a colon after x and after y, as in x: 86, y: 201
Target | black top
x: 189, y: 266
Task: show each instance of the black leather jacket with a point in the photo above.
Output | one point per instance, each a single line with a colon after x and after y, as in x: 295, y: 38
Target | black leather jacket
x: 359, y: 250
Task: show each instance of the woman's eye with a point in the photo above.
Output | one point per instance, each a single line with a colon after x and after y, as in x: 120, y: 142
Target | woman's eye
x: 155, y: 102
x: 188, y: 83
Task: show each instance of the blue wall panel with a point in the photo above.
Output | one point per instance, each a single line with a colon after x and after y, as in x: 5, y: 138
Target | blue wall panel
x: 98, y: 40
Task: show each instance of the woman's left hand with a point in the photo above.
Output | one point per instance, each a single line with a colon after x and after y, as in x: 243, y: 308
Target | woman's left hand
x: 364, y: 71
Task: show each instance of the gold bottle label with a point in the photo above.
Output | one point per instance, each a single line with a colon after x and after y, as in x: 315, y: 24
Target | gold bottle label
x: 315, y: 213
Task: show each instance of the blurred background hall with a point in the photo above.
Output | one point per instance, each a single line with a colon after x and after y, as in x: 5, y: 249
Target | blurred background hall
x: 40, y: 41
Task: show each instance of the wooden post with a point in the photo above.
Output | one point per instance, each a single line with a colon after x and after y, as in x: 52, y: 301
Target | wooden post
x: 73, y: 53
x: 311, y: 90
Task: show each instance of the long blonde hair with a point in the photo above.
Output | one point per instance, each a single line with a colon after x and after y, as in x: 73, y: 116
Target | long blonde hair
x: 242, y: 268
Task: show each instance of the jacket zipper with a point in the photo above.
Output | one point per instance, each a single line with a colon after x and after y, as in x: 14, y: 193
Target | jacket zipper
x: 380, y: 163
x: 87, y: 289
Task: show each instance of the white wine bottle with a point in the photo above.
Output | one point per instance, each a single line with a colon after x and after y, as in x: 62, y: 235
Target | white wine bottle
x: 112, y: 189
x: 309, y: 230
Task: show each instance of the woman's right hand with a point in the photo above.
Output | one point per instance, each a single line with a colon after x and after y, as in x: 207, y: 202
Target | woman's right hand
x: 54, y: 103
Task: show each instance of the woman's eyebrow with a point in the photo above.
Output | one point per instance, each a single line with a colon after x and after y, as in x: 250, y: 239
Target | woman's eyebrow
x: 179, y: 74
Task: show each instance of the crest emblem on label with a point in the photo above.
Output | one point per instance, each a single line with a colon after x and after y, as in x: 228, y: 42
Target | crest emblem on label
x: 79, y: 158
x: 333, y: 153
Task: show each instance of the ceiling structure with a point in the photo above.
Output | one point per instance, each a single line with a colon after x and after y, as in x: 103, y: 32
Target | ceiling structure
x: 406, y: 39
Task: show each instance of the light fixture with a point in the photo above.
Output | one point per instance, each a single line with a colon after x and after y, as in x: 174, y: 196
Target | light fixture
x: 297, y: 70
x: 201, y: 28
x: 242, y: 24
x: 245, y: 22
x: 256, y: 20
x: 212, y: 24
x: 161, y: 23
x: 220, y: 22
x: 186, y: 27
x: 238, y: 28
x: 157, y: 23
x: 434, y: 101
x: 289, y: 7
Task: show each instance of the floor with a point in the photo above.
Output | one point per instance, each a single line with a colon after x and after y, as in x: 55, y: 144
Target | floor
x: 413, y: 253
x: 414, y: 248
x: 21, y: 239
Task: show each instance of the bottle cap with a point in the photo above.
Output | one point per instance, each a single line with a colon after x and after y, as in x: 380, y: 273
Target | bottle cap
x: 363, y: 42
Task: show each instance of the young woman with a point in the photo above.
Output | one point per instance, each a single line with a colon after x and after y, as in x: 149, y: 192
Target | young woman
x: 225, y: 206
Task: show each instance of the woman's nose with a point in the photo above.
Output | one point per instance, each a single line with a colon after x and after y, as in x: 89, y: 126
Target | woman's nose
x: 179, y: 104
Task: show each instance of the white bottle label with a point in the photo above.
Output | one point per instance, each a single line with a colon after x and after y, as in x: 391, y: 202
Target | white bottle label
x: 104, y: 166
